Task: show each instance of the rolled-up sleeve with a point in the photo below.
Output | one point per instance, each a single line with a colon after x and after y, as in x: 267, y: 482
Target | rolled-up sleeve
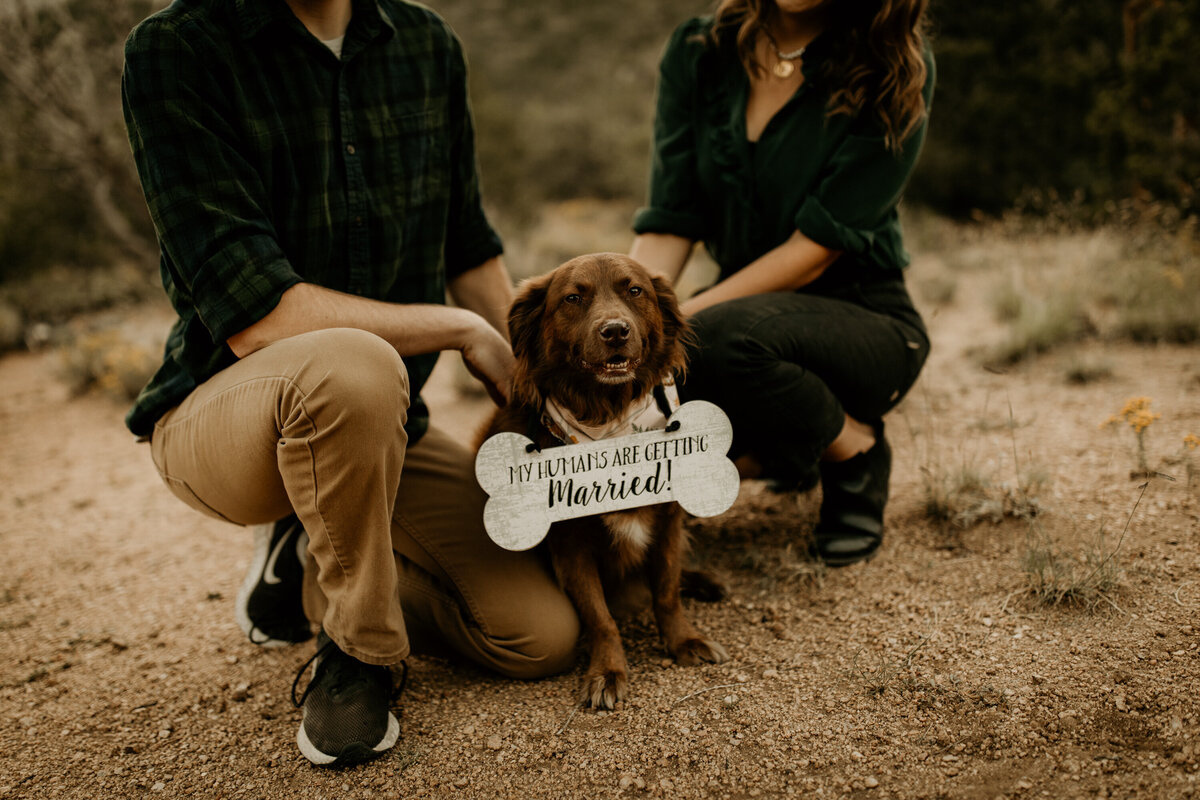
x: 860, y: 186
x: 207, y: 202
x: 470, y: 239
x: 675, y: 201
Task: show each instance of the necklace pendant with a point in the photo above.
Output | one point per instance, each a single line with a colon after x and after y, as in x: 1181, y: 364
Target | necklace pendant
x: 784, y: 69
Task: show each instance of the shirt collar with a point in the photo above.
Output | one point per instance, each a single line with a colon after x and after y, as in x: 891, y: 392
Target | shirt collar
x: 254, y: 15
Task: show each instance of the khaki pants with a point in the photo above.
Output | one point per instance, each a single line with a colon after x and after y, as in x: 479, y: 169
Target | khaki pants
x: 398, y: 558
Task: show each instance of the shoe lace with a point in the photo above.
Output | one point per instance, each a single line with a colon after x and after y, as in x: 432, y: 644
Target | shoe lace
x: 397, y: 689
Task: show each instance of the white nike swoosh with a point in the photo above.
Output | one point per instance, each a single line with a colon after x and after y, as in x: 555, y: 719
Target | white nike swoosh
x: 269, y: 575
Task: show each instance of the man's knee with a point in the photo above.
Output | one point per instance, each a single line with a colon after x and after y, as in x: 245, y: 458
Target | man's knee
x: 355, y: 374
x: 356, y: 357
x: 547, y: 645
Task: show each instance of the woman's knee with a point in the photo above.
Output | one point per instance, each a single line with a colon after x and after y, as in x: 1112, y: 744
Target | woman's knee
x: 724, y: 350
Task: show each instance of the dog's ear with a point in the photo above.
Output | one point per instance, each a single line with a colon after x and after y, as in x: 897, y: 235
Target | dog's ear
x: 676, y: 329
x: 525, y: 316
x: 524, y: 331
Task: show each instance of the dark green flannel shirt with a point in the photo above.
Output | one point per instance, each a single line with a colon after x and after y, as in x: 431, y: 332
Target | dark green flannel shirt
x: 267, y: 161
x: 832, y: 178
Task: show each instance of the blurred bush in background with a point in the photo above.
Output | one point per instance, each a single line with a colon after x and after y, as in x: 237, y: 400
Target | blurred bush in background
x: 1042, y: 106
x: 68, y: 191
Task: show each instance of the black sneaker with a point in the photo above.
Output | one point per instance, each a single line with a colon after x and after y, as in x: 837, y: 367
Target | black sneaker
x: 346, y: 715
x: 269, y: 609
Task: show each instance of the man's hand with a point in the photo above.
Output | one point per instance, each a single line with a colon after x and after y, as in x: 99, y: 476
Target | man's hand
x: 489, y: 359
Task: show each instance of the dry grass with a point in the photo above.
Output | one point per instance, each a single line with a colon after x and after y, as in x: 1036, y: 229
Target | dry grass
x: 960, y: 489
x: 876, y: 678
x: 54, y: 296
x: 1135, y: 277
x: 107, y: 361
x: 1085, y: 576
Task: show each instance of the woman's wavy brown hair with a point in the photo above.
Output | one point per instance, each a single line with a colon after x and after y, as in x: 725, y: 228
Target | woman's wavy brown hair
x: 878, y: 62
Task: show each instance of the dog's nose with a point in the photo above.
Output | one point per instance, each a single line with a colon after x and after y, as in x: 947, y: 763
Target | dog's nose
x: 614, y: 331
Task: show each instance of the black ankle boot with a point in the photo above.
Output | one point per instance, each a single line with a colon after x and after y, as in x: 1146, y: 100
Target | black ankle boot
x: 854, y: 494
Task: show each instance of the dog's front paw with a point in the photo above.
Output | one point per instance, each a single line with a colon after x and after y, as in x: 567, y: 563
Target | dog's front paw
x: 698, y: 650
x: 603, y: 688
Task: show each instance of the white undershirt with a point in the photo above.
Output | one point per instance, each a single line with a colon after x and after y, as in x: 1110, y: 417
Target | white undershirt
x: 335, y: 44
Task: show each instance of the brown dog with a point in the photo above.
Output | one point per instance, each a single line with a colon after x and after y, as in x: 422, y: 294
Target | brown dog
x: 592, y: 340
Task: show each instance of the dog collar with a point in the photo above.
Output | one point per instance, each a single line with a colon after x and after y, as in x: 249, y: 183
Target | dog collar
x: 647, y: 414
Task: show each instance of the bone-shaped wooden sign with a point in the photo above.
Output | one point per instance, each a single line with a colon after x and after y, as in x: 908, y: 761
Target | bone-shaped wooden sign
x: 686, y: 463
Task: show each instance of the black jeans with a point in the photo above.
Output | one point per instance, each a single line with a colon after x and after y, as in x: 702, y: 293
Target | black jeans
x: 787, y: 366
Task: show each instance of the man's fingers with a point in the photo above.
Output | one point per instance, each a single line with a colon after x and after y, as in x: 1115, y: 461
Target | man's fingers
x: 489, y: 358
x: 497, y: 389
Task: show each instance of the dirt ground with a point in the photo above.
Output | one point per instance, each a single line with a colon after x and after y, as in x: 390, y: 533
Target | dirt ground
x: 930, y: 672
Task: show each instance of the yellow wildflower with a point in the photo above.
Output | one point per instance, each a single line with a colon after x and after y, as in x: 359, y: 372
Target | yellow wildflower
x: 1191, y: 441
x: 1136, y: 413
x: 1142, y: 419
x: 1135, y: 404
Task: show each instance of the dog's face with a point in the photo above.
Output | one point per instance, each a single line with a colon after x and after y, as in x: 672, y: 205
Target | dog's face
x: 600, y: 320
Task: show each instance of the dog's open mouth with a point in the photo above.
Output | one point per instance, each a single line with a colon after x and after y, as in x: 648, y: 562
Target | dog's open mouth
x: 615, y: 368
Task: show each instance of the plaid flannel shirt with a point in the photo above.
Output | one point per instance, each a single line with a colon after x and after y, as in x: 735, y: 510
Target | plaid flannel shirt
x: 267, y: 161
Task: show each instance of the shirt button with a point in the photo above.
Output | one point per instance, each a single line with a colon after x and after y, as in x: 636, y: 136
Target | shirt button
x: 350, y: 149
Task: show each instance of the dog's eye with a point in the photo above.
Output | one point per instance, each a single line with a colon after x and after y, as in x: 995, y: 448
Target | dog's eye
x: 573, y: 299
x: 634, y: 291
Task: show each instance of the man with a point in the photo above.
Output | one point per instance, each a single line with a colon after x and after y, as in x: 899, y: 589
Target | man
x: 309, y: 166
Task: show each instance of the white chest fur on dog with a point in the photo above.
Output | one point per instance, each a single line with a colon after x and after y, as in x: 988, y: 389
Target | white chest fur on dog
x: 632, y: 528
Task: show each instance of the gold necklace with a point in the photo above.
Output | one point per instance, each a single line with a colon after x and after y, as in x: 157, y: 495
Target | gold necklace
x: 784, y: 67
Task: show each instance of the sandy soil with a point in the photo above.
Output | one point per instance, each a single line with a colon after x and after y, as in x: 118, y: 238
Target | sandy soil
x: 929, y: 672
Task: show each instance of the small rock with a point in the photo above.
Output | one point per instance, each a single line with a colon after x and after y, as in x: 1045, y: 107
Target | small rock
x: 871, y: 782
x: 158, y: 787
x: 731, y: 699
x: 1120, y: 703
x: 38, y: 335
x: 770, y: 673
x: 494, y: 742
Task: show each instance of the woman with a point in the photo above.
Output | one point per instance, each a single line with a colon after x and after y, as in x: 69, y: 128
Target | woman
x: 785, y: 133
